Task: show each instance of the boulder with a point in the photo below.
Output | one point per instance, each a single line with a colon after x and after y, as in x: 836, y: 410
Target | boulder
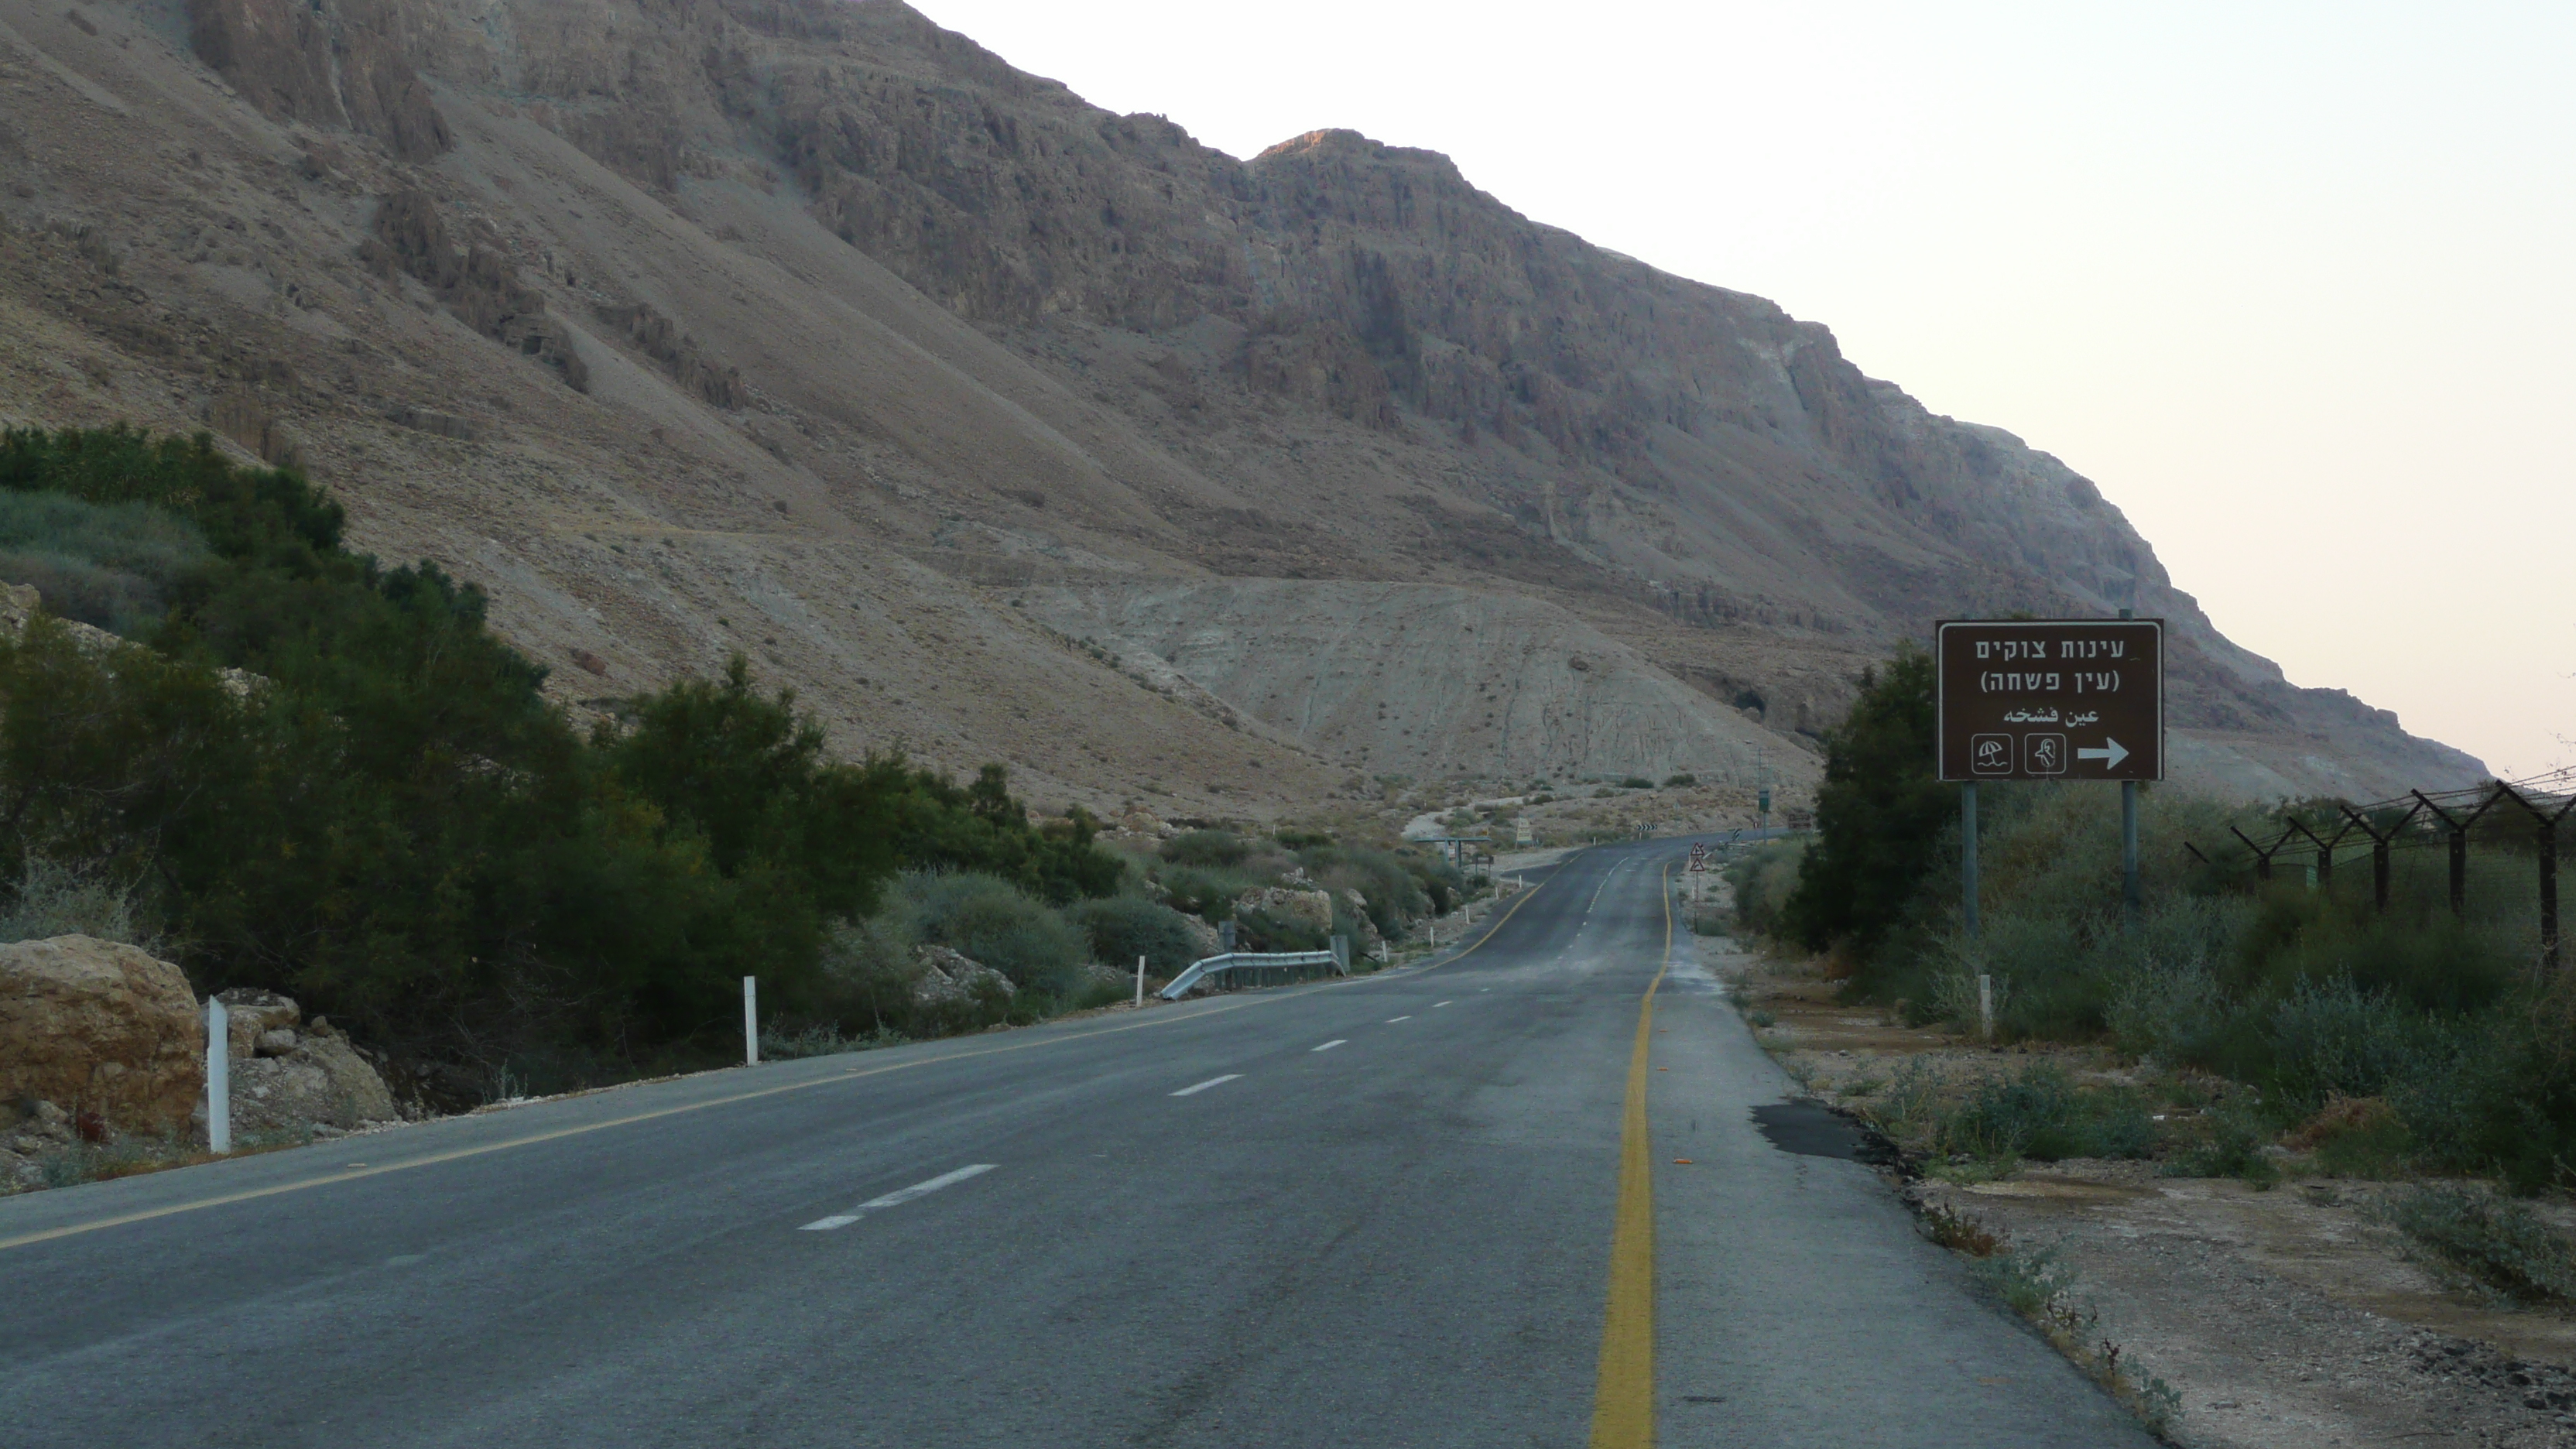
x: 34, y: 1129
x: 1307, y: 907
x: 1203, y: 938
x: 100, y: 1029
x: 319, y: 1080
x: 254, y: 1014
x: 1368, y: 940
x: 948, y: 976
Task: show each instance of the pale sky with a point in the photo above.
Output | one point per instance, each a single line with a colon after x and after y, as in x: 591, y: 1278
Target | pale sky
x: 2295, y: 284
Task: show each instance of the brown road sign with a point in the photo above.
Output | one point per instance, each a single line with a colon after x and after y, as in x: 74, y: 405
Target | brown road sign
x: 2052, y: 699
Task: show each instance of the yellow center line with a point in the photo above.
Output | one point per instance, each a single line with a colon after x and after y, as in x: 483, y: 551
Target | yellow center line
x: 1623, y: 1400
x: 534, y: 1138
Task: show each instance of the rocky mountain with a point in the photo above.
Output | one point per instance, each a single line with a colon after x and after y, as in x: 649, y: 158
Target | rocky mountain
x: 1005, y: 427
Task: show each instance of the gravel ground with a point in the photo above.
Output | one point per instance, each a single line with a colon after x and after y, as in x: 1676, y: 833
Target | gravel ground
x: 2285, y: 1318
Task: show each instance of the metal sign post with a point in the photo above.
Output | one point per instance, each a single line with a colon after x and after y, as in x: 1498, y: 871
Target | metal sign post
x: 2050, y: 699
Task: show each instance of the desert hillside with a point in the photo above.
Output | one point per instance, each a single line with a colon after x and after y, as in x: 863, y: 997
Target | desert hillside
x: 1002, y: 427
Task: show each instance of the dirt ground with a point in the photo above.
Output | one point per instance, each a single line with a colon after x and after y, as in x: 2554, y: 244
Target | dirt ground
x: 2285, y: 1318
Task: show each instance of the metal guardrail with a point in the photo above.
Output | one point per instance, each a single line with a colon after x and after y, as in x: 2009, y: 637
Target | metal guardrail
x: 1261, y: 962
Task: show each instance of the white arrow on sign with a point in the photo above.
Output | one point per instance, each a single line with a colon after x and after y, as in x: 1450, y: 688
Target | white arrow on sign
x: 2111, y: 756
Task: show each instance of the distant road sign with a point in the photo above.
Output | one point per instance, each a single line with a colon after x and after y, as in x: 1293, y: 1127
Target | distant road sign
x: 2051, y: 699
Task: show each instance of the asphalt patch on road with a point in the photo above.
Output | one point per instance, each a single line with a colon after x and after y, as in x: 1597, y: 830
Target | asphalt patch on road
x: 1812, y: 1129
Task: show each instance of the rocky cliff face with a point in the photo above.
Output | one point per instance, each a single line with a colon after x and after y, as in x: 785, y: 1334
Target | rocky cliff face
x: 808, y: 328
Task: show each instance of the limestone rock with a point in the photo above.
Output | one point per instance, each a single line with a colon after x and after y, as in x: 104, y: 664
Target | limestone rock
x: 947, y: 976
x: 320, y: 1081
x: 1306, y: 907
x: 100, y: 1028
x: 1204, y: 941
x: 254, y: 1014
x: 1368, y: 939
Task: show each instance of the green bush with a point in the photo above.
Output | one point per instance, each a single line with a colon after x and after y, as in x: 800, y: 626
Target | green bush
x: 2495, y: 1243
x: 112, y: 565
x: 1216, y: 849
x: 1395, y: 894
x: 1677, y: 781
x: 1636, y: 782
x: 1270, y: 931
x: 999, y: 925
x: 1206, y: 892
x: 397, y: 828
x: 1122, y: 928
x: 2043, y: 1114
x: 1764, y: 878
x: 1881, y: 813
x: 50, y: 900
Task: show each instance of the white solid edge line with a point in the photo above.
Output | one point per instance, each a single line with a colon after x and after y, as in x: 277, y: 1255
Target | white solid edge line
x: 1328, y: 1046
x: 897, y: 1198
x: 1392, y: 1020
x: 1210, y: 1082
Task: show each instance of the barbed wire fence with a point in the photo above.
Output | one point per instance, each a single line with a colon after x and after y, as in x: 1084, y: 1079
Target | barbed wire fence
x: 2421, y: 820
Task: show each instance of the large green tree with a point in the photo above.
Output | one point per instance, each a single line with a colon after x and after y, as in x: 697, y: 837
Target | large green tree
x: 1880, y: 813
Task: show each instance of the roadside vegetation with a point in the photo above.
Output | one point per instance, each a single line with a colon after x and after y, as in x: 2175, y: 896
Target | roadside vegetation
x: 299, y: 769
x: 2242, y: 1025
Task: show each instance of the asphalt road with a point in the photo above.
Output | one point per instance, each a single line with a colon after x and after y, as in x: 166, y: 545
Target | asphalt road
x: 1373, y: 1212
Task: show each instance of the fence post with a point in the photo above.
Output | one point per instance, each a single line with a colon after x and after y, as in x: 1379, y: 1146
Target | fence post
x: 2131, y: 895
x: 219, y: 1077
x: 2262, y: 857
x: 1968, y: 857
x: 2459, y: 827
x: 2549, y: 893
x: 751, y: 1021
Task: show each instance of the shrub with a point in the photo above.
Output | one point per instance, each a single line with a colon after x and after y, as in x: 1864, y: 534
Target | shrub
x: 1636, y: 782
x: 1677, y: 781
x: 1270, y: 931
x: 999, y: 925
x: 1122, y: 928
x: 867, y: 972
x: 1393, y: 892
x: 2233, y: 1147
x: 1880, y: 813
x: 55, y: 900
x: 2043, y: 1114
x: 114, y: 565
x: 2493, y: 1242
x: 1207, y: 893
x: 2356, y: 1137
x: 1208, y: 848
x: 1763, y: 878
x: 397, y: 827
x: 1443, y: 884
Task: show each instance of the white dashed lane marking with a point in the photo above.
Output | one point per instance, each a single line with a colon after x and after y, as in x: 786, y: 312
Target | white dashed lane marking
x: 897, y: 1198
x: 1328, y: 1046
x: 1210, y: 1082
x: 1392, y: 1020
x: 1435, y: 1006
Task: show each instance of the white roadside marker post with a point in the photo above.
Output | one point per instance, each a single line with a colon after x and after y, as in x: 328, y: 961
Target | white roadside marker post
x: 751, y: 1021
x: 219, y: 1077
x: 1140, y: 981
x: 1986, y: 1004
